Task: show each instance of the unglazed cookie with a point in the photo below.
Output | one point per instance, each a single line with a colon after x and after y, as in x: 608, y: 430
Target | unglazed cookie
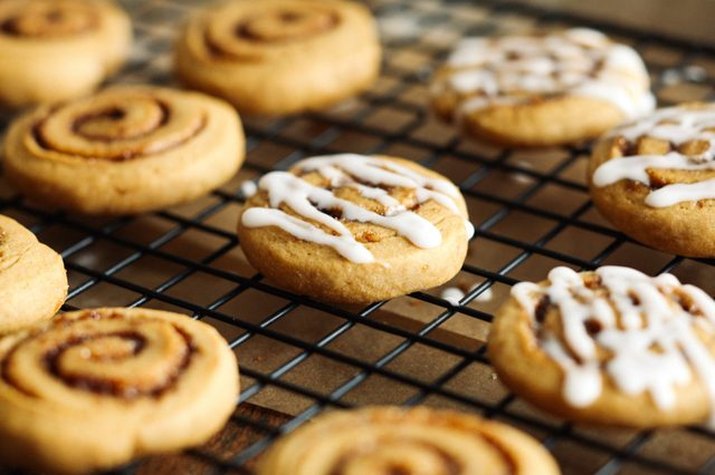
x: 124, y: 150
x: 93, y: 389
x: 352, y: 228
x: 380, y: 440
x: 280, y: 56
x: 33, y: 281
x: 613, y: 346
x: 654, y: 179
x: 541, y: 90
x: 53, y: 50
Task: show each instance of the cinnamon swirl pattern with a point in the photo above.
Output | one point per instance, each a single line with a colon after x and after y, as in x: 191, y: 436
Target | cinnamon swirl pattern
x: 151, y: 381
x: 655, y: 179
x: 353, y: 228
x: 53, y: 50
x: 33, y: 281
x: 541, y: 90
x: 125, y: 150
x: 612, y: 346
x: 280, y: 56
x: 381, y: 440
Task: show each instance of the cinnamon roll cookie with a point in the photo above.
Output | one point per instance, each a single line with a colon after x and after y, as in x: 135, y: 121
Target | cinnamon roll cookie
x: 654, y: 179
x: 93, y: 389
x: 33, y: 281
x: 280, y: 56
x: 53, y: 50
x: 543, y: 89
x: 420, y: 440
x: 124, y: 150
x: 352, y: 228
x: 612, y: 346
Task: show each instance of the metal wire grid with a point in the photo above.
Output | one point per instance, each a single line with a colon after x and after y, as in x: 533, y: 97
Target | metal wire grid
x: 530, y: 209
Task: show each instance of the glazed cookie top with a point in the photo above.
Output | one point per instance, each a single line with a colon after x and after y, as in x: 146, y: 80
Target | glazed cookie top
x: 334, y: 200
x: 119, y: 124
x: 646, y: 334
x: 48, y: 20
x: 381, y: 440
x: 671, y: 151
x: 510, y: 70
x: 255, y: 32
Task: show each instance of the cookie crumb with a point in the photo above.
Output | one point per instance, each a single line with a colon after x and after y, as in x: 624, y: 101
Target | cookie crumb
x: 453, y: 295
x: 485, y: 296
x: 248, y: 188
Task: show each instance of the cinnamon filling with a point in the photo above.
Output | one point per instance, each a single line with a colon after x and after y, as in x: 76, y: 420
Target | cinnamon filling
x: 593, y: 326
x: 9, y: 380
x: 107, y: 125
x: 542, y: 309
x: 111, y: 387
x: 645, y: 145
x: 250, y: 33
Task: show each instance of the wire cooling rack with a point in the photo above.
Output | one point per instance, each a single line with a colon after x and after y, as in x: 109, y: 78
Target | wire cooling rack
x: 300, y: 357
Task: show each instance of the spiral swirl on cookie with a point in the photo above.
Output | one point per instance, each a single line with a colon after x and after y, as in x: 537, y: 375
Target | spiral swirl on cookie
x: 280, y: 56
x: 145, y: 371
x: 119, y: 125
x: 246, y: 31
x: 617, y: 329
x: 514, y: 70
x: 47, y: 18
x: 101, y: 353
x: 387, y: 440
x: 252, y: 34
x: 671, y: 151
x: 137, y: 147
x: 117, y: 354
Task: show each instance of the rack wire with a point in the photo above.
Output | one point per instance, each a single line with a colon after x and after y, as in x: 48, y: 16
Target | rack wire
x: 300, y: 357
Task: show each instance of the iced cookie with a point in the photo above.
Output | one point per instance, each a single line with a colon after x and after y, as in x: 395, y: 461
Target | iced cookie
x: 280, y: 56
x: 654, y: 179
x: 93, y: 389
x: 612, y: 346
x: 124, y: 150
x: 421, y: 440
x: 353, y: 228
x: 53, y: 50
x: 33, y: 281
x: 541, y: 90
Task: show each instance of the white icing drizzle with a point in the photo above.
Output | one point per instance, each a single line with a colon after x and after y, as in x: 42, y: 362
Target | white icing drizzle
x: 578, y: 61
x: 677, y: 125
x: 367, y: 175
x: 679, y: 192
x: 650, y: 338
